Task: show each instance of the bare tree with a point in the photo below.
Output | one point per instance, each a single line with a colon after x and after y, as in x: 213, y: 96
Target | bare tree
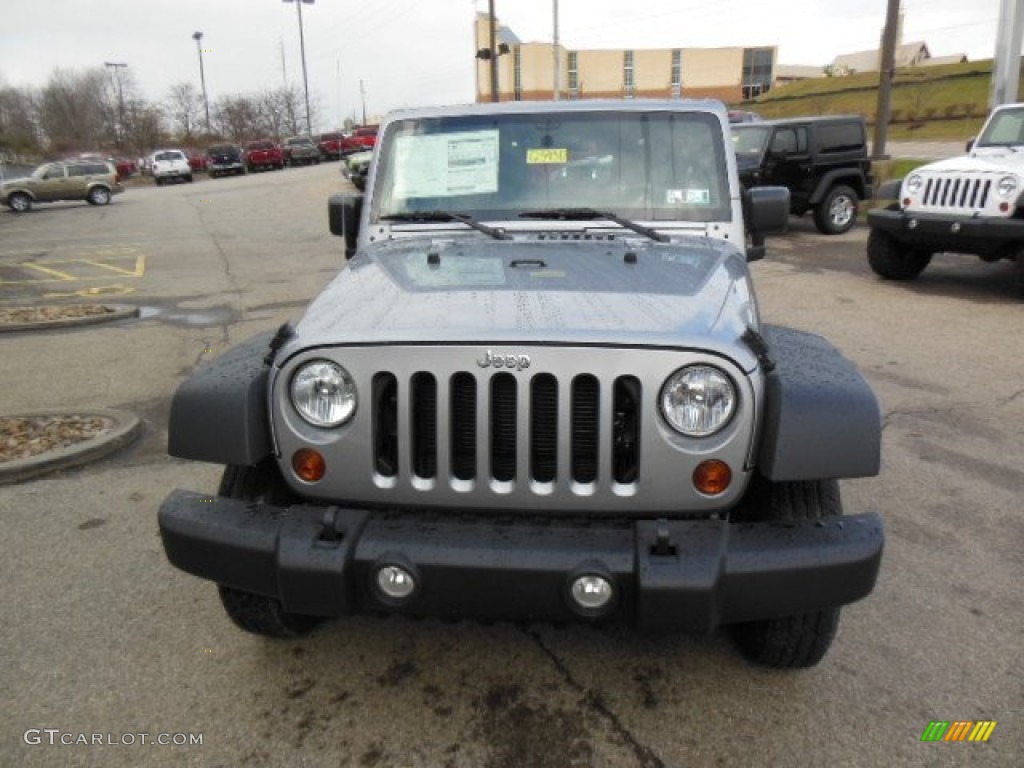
x: 143, y: 127
x: 19, y: 130
x: 72, y: 109
x: 184, y: 106
x: 237, y: 117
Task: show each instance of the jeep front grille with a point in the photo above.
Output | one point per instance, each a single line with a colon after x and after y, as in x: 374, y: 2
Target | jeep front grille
x: 504, y: 394
x: 956, y: 192
x: 573, y: 430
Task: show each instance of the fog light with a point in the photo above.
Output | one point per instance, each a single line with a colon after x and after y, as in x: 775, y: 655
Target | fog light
x: 912, y: 224
x: 309, y: 465
x: 395, y: 582
x: 712, y: 477
x: 954, y: 227
x: 592, y: 593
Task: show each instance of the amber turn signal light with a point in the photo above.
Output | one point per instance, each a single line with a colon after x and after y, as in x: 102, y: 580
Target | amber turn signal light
x: 712, y: 477
x: 308, y: 465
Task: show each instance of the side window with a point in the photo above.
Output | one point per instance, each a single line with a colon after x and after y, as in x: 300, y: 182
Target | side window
x: 78, y: 170
x: 784, y: 140
x: 801, y: 141
x: 840, y: 137
x: 54, y: 172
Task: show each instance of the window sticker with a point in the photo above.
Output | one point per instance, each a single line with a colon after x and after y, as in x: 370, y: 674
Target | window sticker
x: 547, y: 156
x: 688, y: 196
x: 445, y: 165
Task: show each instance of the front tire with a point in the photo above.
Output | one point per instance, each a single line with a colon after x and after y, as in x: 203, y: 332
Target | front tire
x: 19, y: 202
x: 259, y: 614
x: 837, y: 211
x: 802, y: 640
x: 893, y: 261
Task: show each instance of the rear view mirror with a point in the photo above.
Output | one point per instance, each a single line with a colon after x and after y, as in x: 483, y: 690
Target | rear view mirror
x: 343, y: 212
x: 766, y: 211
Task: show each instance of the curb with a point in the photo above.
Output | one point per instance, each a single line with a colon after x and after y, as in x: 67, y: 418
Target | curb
x: 127, y: 427
x: 121, y: 311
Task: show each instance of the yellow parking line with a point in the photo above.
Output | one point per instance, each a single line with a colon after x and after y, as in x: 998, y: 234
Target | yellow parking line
x: 136, y: 271
x: 47, y: 271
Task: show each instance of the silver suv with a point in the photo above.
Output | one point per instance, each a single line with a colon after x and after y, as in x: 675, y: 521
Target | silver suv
x: 540, y: 390
x: 94, y: 181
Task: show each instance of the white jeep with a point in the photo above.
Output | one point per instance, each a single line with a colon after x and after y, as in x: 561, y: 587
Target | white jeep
x: 168, y: 164
x: 970, y: 204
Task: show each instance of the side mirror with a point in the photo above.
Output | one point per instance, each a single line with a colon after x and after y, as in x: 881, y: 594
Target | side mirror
x: 767, y: 213
x: 343, y: 212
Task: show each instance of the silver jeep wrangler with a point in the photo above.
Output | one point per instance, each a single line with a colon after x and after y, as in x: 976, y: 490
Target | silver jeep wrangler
x: 540, y: 390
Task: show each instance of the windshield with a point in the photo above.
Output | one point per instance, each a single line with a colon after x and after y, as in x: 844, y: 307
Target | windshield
x: 1006, y: 128
x: 169, y: 156
x: 749, y: 141
x: 654, y: 166
x: 298, y: 140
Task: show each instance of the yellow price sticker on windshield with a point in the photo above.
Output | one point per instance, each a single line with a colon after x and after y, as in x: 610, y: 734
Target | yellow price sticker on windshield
x: 547, y: 156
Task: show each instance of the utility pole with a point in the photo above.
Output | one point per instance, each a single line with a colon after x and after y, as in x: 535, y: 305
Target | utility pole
x: 362, y: 92
x: 1006, y: 63
x: 284, y: 70
x: 886, y: 75
x: 198, y: 37
x: 558, y: 58
x: 117, y: 67
x: 494, y: 52
x: 302, y: 46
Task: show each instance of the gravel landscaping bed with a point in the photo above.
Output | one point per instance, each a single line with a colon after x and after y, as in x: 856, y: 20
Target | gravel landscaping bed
x: 42, y: 314
x: 24, y: 436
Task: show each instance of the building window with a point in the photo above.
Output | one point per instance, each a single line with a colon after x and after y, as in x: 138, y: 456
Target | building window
x: 757, y: 71
x: 517, y: 59
x: 574, y: 75
x: 676, y: 77
x: 628, y: 83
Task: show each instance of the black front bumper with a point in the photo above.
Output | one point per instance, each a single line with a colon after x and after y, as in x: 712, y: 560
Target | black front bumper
x: 959, y: 234
x: 674, y: 575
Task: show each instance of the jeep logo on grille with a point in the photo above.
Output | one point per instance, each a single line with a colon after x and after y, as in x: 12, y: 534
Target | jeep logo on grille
x: 499, y: 360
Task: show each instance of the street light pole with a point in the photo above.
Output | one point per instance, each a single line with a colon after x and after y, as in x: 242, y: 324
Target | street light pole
x: 198, y: 36
x: 302, y: 46
x: 117, y: 67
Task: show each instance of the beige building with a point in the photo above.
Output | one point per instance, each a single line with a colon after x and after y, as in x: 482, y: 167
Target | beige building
x: 526, y: 71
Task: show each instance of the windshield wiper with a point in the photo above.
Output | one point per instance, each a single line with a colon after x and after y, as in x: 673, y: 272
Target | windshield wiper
x: 496, y: 232
x: 588, y: 214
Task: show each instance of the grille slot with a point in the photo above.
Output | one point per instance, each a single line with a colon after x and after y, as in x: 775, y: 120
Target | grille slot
x: 463, y: 429
x: 626, y: 430
x: 544, y: 428
x: 424, y: 425
x: 503, y: 427
x: 585, y: 428
x: 385, y: 424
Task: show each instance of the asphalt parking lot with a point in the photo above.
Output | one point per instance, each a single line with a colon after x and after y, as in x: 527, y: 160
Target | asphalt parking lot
x: 103, y: 637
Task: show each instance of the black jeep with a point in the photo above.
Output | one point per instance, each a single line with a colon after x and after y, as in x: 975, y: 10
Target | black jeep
x: 822, y: 160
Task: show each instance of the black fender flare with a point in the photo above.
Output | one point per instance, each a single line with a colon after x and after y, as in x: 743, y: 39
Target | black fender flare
x: 852, y: 178
x: 220, y: 413
x: 821, y: 418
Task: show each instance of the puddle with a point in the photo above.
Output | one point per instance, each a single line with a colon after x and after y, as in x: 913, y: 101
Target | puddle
x: 195, y: 318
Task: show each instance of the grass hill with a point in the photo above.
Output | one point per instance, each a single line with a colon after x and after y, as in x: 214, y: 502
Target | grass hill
x: 940, y: 103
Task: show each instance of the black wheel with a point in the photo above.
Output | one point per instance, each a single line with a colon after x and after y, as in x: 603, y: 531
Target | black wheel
x: 99, y: 196
x: 837, y: 211
x: 19, y: 202
x: 259, y: 614
x: 790, y: 642
x: 189, y: 178
x: 893, y: 261
x: 1020, y: 271
x: 159, y: 182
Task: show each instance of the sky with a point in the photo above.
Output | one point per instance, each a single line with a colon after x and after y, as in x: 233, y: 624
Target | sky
x: 421, y: 52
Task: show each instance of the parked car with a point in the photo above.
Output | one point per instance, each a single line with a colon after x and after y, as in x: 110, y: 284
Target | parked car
x: 330, y: 145
x: 263, y: 155
x: 301, y: 150
x: 822, y: 161
x: 359, y: 139
x: 972, y: 204
x: 741, y: 116
x: 196, y: 160
x: 90, y: 180
x: 170, y: 165
x: 356, y: 166
x: 537, y: 397
x: 222, y: 159
x: 125, y: 167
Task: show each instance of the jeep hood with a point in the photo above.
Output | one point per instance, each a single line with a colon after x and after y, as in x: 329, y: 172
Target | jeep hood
x: 474, y: 290
x: 981, y: 160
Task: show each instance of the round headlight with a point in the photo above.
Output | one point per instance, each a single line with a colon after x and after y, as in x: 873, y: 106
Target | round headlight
x: 914, y: 184
x: 698, y: 400
x: 1007, y: 187
x: 323, y: 393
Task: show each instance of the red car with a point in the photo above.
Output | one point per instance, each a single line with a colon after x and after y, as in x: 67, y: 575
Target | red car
x: 263, y: 154
x: 330, y: 144
x: 360, y: 139
x: 196, y: 160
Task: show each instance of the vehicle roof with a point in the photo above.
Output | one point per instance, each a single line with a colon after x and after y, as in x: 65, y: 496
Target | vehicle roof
x: 584, y: 105
x: 801, y: 121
